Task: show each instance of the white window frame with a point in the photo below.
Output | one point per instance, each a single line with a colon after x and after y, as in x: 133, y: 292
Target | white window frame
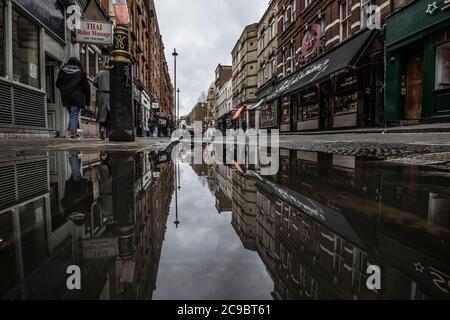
x: 307, y: 3
x: 344, y: 21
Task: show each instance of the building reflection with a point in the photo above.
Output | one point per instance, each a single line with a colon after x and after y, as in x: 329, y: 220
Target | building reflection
x: 323, y: 219
x: 50, y: 203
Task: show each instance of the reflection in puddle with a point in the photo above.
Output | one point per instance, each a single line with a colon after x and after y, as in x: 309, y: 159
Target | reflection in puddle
x: 142, y: 227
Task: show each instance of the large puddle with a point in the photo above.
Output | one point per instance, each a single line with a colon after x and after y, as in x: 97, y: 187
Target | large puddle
x: 140, y: 226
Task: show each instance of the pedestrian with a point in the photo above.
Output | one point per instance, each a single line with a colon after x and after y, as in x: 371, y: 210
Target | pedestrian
x: 75, y: 93
x: 151, y: 126
x: 101, y: 82
x: 244, y: 125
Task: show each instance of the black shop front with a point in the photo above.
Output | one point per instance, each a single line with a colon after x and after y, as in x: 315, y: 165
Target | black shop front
x: 336, y: 90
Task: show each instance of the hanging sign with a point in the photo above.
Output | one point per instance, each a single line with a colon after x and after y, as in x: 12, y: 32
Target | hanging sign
x: 50, y: 13
x: 95, y: 32
x: 310, y: 41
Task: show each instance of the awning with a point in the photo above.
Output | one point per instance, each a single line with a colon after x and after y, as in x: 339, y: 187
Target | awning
x: 256, y: 105
x: 238, y: 113
x: 341, y: 57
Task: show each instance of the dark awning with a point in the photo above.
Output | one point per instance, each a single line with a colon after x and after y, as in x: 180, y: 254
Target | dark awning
x: 343, y: 56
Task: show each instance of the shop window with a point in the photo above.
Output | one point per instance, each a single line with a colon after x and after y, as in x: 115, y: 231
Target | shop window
x: 25, y: 50
x: 285, y: 111
x: 346, y: 94
x: 443, y: 66
x: 2, y: 39
x: 8, y: 266
x: 33, y: 234
x: 309, y: 106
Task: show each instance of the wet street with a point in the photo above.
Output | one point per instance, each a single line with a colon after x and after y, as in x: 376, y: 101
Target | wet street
x: 140, y: 226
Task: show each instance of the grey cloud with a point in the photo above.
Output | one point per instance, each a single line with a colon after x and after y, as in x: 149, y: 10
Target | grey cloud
x: 204, y: 33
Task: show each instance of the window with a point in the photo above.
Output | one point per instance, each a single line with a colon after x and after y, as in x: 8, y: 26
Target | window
x: 25, y: 50
x: 345, y: 13
x: 293, y: 9
x: 307, y: 3
x: 292, y: 57
x: 443, y: 66
x: 2, y: 39
x: 285, y: 20
x: 284, y: 63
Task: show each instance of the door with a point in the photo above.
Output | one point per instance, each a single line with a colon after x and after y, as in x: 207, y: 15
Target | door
x: 413, y: 101
x: 55, y: 114
x: 326, y: 114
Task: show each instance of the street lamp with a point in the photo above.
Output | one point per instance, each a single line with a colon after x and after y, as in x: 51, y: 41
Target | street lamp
x: 175, y: 55
x: 178, y: 108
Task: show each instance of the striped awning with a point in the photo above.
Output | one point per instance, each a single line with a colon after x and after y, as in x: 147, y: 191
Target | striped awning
x: 238, y: 113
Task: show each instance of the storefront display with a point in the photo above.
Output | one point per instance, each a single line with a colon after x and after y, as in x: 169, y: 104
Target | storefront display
x: 25, y: 50
x: 443, y: 66
x: 285, y: 119
x: 268, y: 115
x: 309, y: 105
x: 346, y: 100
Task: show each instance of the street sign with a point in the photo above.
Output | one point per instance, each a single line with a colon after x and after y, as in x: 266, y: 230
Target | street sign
x: 95, y: 32
x: 100, y: 248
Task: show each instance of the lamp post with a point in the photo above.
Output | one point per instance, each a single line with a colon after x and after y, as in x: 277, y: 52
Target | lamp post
x: 121, y: 88
x: 178, y: 109
x: 175, y: 55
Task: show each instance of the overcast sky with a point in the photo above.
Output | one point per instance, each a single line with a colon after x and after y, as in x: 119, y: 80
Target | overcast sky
x: 204, y: 33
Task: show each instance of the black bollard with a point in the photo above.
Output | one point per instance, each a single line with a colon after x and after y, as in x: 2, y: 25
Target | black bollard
x: 121, y: 89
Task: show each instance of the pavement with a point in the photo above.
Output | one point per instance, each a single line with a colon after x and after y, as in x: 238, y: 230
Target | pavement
x: 63, y: 144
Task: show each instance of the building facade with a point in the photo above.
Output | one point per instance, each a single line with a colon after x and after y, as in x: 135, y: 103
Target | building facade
x: 36, y: 43
x: 198, y: 113
x: 224, y: 106
x: 223, y: 77
x: 244, y: 72
x: 330, y: 65
x: 418, y: 62
x: 267, y: 63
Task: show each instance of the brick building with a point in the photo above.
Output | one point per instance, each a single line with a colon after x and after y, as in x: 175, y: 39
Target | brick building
x: 245, y: 71
x: 154, y: 96
x: 330, y: 65
x: 198, y: 113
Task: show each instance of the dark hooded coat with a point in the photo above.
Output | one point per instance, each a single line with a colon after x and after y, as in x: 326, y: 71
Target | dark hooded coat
x: 74, y: 86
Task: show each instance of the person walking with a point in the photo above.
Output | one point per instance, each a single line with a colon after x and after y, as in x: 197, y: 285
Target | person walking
x: 75, y: 93
x: 101, y: 82
x: 151, y: 126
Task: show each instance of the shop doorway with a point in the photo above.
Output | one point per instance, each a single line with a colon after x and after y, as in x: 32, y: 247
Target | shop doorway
x: 413, y: 100
x: 55, y: 114
x: 326, y: 112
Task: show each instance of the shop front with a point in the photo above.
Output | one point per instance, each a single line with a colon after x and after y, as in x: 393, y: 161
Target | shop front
x: 331, y: 92
x: 29, y: 33
x: 418, y: 63
x: 138, y: 109
x: 146, y: 111
x: 268, y: 115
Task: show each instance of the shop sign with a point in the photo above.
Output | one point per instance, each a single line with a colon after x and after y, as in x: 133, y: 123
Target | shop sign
x: 100, y: 248
x: 145, y: 100
x: 347, y: 82
x: 155, y: 105
x: 310, y: 41
x: 48, y: 12
x: 136, y: 93
x: 95, y: 32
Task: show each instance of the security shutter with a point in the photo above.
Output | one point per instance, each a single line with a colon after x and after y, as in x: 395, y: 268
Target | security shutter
x: 19, y: 182
x: 29, y: 108
x: 5, y: 103
x: 7, y: 186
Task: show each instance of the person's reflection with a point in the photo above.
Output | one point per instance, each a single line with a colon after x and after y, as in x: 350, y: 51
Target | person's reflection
x: 105, y: 199
x: 78, y: 194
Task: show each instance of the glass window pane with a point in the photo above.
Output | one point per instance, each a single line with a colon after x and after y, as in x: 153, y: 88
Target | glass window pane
x: 443, y: 66
x: 25, y: 50
x: 8, y: 266
x: 2, y: 39
x: 33, y: 235
x: 92, y: 63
